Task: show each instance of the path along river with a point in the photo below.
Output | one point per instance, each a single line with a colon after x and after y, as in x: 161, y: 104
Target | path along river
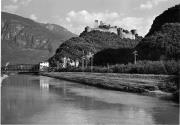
x: 30, y: 99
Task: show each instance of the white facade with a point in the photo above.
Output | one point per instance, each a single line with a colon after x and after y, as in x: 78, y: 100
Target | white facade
x: 72, y: 63
x: 64, y: 62
x: 67, y: 61
x: 76, y: 63
x: 89, y: 55
x: 43, y: 65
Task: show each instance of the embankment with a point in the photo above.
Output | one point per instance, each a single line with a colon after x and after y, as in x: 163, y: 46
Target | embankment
x: 136, y: 83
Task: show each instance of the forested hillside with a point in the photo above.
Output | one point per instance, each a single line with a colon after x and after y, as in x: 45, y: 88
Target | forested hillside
x: 94, y: 41
x: 172, y: 15
x: 163, y: 39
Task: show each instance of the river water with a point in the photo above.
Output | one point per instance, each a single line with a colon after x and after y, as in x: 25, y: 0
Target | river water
x: 30, y: 99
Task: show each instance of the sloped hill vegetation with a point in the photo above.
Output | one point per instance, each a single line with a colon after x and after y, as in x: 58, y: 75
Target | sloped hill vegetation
x: 163, y: 44
x: 94, y: 42
x: 172, y: 15
x: 104, y: 40
x: 163, y: 39
x: 113, y: 56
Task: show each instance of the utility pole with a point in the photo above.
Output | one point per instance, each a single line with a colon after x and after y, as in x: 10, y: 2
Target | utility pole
x: 92, y: 64
x: 83, y: 61
x: 92, y: 55
x: 135, y: 54
x: 86, y: 61
x: 108, y: 67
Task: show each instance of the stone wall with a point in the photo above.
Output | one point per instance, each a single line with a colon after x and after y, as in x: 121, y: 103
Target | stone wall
x: 119, y: 31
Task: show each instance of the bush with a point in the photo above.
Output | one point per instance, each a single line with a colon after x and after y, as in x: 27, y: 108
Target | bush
x: 141, y: 67
x: 147, y: 67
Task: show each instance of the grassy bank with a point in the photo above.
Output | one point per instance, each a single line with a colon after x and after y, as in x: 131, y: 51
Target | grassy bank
x: 154, y: 85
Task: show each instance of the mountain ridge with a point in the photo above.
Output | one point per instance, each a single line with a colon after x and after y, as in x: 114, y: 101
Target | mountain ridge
x: 20, y: 34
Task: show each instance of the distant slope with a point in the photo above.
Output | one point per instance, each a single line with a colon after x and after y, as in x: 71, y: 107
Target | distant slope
x: 94, y: 42
x: 163, y: 39
x: 172, y: 15
x: 59, y: 31
x: 26, y: 41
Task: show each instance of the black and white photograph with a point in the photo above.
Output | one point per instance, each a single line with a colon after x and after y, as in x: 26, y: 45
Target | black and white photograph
x: 90, y: 62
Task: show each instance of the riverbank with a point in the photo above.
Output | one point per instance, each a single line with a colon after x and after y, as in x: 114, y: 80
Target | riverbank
x: 145, y: 84
x: 33, y: 99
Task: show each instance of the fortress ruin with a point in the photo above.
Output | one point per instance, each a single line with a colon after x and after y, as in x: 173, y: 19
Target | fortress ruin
x: 101, y: 26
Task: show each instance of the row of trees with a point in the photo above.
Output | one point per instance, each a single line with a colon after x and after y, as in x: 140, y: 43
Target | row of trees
x: 141, y: 67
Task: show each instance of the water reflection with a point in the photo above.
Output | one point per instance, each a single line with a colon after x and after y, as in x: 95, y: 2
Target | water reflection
x: 43, y: 100
x: 44, y: 83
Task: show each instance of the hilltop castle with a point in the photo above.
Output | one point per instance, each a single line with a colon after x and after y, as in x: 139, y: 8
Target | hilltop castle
x: 101, y: 26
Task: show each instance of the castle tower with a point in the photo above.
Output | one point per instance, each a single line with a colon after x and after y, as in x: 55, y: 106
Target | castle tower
x: 134, y: 31
x: 96, y: 24
x: 101, y: 23
x: 87, y: 29
x: 120, y: 32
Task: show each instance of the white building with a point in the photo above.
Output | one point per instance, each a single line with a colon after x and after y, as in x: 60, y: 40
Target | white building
x: 64, y: 62
x: 43, y: 66
x: 89, y: 55
x: 69, y: 62
x: 76, y: 63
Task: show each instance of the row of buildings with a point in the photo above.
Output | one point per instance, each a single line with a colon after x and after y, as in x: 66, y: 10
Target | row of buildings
x: 67, y: 62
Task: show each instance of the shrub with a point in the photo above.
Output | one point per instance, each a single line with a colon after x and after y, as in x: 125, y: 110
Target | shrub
x: 141, y: 67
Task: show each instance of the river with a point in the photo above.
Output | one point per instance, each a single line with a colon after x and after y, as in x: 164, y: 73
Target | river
x: 31, y: 99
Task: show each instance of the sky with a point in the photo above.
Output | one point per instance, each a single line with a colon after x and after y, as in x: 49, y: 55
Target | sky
x: 76, y: 14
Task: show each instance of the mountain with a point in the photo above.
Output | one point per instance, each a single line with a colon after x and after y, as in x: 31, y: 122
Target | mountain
x: 26, y: 41
x: 163, y: 39
x: 94, y: 42
x: 172, y: 15
x: 59, y: 31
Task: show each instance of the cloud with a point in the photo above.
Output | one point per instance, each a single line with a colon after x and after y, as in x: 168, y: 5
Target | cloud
x: 21, y: 2
x: 141, y: 24
x: 24, y: 2
x: 15, y: 5
x: 33, y: 17
x: 76, y: 21
x: 14, y: 1
x: 85, y: 17
x: 156, y: 2
x: 147, y: 5
x: 151, y: 3
x: 10, y: 8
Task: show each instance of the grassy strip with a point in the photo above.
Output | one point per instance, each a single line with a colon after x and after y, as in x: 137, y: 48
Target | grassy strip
x: 141, y: 67
x: 162, y: 86
x: 123, y: 82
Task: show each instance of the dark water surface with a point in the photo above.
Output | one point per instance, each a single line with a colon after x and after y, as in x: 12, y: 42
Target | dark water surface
x: 28, y: 99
